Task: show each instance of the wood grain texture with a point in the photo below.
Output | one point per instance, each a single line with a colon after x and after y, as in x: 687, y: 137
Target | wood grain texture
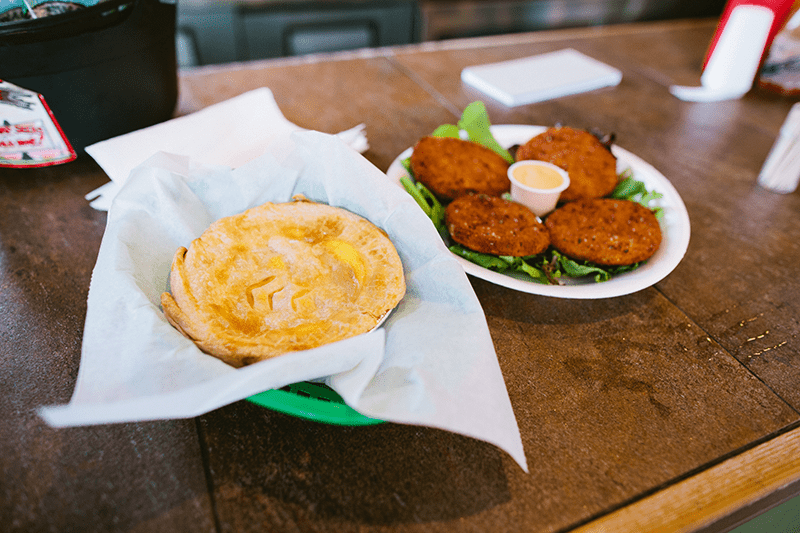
x: 631, y: 408
x: 129, y: 477
x: 600, y: 388
x: 714, y: 494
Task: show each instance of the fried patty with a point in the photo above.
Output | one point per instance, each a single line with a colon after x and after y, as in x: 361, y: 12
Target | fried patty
x: 451, y: 167
x: 591, y: 166
x: 605, y: 231
x: 492, y: 225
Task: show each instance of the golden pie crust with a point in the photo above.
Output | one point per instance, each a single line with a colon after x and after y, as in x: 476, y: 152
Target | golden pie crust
x: 282, y: 277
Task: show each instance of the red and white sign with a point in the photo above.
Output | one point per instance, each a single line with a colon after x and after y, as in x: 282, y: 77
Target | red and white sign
x: 29, y: 133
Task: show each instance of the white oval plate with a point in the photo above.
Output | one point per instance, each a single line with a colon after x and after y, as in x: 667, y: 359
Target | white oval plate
x: 675, y: 230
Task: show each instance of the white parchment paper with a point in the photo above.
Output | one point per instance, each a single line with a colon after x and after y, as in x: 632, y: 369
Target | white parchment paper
x: 230, y: 133
x: 432, y: 363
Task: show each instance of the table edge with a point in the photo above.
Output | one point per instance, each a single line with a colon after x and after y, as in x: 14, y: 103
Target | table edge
x: 713, y: 495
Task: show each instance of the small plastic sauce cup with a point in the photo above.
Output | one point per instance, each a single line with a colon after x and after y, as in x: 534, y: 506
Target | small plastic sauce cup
x: 537, y: 185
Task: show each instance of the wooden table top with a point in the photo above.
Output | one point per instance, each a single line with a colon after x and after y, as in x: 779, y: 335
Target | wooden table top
x: 675, y: 408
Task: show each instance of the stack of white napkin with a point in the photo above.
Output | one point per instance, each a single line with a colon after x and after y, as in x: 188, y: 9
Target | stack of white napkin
x: 229, y: 133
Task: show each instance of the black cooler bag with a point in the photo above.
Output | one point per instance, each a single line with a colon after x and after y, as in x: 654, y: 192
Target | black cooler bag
x: 103, y: 70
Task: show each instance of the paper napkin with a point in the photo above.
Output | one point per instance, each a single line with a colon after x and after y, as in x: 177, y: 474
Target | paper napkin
x: 541, y: 77
x: 229, y: 133
x: 432, y: 362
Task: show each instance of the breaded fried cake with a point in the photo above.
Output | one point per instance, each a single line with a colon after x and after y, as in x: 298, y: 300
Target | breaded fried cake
x: 493, y: 225
x: 282, y: 277
x: 592, y: 168
x: 451, y: 167
x: 605, y: 231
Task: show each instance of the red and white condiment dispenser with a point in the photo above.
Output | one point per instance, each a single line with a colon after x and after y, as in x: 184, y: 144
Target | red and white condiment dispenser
x: 744, y: 33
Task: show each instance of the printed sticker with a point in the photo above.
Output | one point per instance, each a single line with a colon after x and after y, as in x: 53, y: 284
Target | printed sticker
x: 29, y: 133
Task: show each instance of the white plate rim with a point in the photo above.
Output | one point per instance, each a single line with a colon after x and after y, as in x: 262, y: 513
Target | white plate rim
x: 675, y: 229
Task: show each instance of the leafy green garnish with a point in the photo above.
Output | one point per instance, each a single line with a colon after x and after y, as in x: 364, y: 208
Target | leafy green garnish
x: 492, y: 262
x: 475, y: 121
x: 631, y: 189
x: 447, y: 130
x: 574, y: 269
x: 503, y: 263
x: 429, y: 204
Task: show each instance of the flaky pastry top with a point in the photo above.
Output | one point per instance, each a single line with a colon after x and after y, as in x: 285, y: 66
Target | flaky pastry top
x: 282, y: 277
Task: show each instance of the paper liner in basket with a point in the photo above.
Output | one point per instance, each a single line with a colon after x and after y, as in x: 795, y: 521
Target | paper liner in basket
x: 432, y: 363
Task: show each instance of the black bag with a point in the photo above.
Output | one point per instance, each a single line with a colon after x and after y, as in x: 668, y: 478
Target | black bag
x: 103, y: 70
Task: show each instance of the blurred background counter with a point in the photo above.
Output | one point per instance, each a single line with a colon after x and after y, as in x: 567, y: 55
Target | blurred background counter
x: 212, y: 32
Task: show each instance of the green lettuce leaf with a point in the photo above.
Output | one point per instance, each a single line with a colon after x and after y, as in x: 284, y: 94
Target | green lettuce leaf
x: 475, y: 121
x: 631, y: 189
x: 492, y: 262
x: 429, y: 204
x: 501, y: 263
x: 574, y: 269
x: 447, y: 130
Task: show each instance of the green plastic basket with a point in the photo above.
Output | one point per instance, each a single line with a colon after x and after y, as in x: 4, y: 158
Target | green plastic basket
x: 312, y: 401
